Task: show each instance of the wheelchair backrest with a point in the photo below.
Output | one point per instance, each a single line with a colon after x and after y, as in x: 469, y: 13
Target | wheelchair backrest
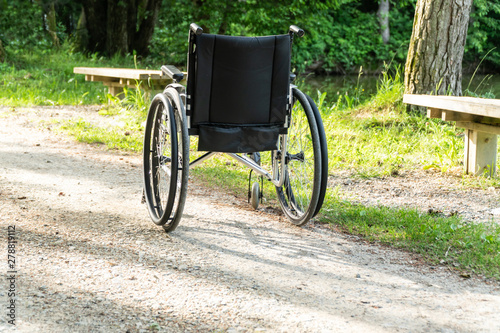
x: 238, y: 91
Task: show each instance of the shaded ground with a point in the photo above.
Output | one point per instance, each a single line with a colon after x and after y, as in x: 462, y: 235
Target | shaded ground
x: 90, y: 260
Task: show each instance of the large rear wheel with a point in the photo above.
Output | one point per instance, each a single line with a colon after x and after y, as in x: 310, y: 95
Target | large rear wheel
x: 300, y: 192
x: 164, y: 158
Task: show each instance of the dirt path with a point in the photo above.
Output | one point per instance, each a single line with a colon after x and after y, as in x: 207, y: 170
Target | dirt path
x: 89, y: 260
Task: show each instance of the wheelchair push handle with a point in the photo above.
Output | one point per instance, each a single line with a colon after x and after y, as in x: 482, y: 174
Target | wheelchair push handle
x: 196, y: 29
x: 296, y: 30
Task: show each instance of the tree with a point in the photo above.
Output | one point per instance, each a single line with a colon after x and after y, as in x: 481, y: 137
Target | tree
x: 118, y: 26
x: 383, y: 17
x: 434, y: 62
x: 51, y: 24
x: 2, y: 52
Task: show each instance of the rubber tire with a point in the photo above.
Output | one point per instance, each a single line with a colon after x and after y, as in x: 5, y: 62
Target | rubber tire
x: 168, y: 216
x: 255, y: 196
x: 155, y: 163
x: 287, y: 193
x: 183, y: 160
x: 324, y: 154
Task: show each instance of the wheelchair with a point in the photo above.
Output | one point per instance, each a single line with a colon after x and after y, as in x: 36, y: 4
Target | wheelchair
x: 239, y: 100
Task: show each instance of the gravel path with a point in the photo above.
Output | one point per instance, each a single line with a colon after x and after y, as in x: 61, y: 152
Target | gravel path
x: 88, y: 259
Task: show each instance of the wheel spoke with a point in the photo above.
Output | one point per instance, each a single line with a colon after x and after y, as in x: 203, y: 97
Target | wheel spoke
x: 298, y: 196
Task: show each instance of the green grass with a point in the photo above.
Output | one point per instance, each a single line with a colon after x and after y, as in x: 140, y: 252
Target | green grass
x: 379, y: 138
x: 369, y: 136
x: 471, y: 248
x: 47, y: 78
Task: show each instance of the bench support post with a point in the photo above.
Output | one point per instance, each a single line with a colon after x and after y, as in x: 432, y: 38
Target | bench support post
x: 114, y: 91
x: 480, y: 152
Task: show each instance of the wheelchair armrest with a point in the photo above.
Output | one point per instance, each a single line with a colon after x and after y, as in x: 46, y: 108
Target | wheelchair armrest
x: 172, y: 72
x: 296, y: 30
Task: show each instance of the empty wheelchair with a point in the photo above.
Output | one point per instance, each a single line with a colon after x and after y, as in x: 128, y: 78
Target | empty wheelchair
x: 239, y: 100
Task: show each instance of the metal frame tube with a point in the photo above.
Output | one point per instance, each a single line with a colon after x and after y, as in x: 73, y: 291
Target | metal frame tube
x: 251, y: 164
x: 201, y: 159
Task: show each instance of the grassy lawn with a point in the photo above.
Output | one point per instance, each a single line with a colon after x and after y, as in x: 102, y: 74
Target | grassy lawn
x: 370, y: 139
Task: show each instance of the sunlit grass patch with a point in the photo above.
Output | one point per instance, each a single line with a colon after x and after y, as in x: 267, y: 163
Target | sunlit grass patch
x: 440, y: 240
x: 115, y: 137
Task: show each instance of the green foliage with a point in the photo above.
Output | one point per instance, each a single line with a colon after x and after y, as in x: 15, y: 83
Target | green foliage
x: 21, y: 27
x: 484, y: 34
x: 341, y: 35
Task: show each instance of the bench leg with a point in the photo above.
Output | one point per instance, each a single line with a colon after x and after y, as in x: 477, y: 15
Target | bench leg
x: 480, y: 153
x: 114, y: 91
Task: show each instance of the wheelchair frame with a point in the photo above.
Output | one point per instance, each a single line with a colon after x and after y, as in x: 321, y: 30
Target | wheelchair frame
x: 174, y: 100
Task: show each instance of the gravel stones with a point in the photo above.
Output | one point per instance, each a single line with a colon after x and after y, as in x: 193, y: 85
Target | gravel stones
x: 92, y: 261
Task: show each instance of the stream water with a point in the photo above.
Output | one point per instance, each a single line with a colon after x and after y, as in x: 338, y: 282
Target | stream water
x: 339, y: 85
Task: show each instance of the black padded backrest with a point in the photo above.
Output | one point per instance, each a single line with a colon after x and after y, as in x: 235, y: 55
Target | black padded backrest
x: 240, y: 80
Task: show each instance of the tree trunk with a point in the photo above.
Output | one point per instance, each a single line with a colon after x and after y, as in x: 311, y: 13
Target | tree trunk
x: 116, y: 27
x: 147, y: 22
x: 81, y: 39
x: 96, y: 16
x: 383, y: 18
x: 434, y: 63
x: 2, y: 52
x: 132, y: 22
x: 52, y: 25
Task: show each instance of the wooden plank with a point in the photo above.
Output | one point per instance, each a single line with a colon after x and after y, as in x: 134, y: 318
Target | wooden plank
x: 479, y: 127
x: 95, y: 78
x: 127, y: 73
x: 116, y: 91
x: 456, y: 116
x: 434, y: 113
x: 470, y: 105
x: 115, y: 84
x: 480, y: 152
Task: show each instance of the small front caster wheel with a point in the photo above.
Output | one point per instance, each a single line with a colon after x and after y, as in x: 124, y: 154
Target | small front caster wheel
x: 255, y: 195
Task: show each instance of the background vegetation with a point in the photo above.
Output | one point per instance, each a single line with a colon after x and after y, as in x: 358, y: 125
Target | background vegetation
x: 342, y: 34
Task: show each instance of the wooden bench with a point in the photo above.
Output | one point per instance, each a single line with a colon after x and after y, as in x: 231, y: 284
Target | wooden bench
x: 481, y: 119
x: 117, y: 78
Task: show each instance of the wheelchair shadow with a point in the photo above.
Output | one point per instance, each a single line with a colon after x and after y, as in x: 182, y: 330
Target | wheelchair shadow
x: 335, y: 282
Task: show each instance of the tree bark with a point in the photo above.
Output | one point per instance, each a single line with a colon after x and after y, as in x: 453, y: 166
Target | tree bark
x: 96, y: 12
x: 383, y: 18
x: 147, y: 22
x: 2, y: 52
x: 434, y: 62
x: 116, y: 28
x: 52, y: 25
x: 81, y: 39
